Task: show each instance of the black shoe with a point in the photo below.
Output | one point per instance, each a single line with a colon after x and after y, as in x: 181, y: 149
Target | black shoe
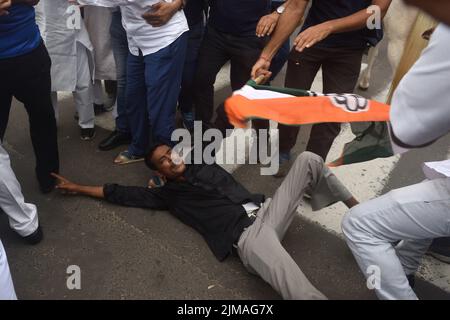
x: 35, y: 237
x: 440, y: 249
x: 47, y: 188
x: 100, y: 108
x: 411, y: 280
x: 47, y: 184
x: 87, y: 134
x: 114, y: 140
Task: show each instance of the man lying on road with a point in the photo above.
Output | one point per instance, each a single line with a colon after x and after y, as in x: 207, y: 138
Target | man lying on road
x: 230, y: 218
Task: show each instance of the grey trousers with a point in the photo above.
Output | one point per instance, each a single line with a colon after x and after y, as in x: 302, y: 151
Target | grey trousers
x: 259, y: 246
x: 414, y: 214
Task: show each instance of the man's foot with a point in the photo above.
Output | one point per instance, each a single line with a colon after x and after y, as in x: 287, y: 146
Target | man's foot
x: 46, y: 182
x: 114, y: 140
x: 45, y: 189
x: 126, y: 158
x: 285, y: 161
x: 35, y: 237
x: 100, y: 108
x: 87, y: 134
x: 440, y: 249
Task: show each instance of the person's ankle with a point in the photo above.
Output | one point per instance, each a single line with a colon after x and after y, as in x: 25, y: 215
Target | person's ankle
x: 350, y: 203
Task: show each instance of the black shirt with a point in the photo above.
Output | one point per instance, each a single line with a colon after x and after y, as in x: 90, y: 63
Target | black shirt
x: 238, y: 17
x: 325, y: 10
x: 210, y: 201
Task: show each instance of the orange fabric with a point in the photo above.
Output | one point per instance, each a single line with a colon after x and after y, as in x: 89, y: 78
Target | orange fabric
x: 300, y: 110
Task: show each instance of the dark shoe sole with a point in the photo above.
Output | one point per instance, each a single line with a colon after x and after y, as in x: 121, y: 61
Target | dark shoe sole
x: 112, y: 146
x: 88, y: 138
x: 34, y: 238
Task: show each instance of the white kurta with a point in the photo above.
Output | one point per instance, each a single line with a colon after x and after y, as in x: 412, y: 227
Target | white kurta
x: 61, y: 41
x: 6, y: 285
x: 98, y: 22
x: 23, y: 217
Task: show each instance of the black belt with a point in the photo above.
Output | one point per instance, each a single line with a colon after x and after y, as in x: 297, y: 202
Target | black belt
x: 252, y: 217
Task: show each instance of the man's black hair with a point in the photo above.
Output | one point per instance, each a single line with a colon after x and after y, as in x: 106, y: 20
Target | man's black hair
x: 148, y: 157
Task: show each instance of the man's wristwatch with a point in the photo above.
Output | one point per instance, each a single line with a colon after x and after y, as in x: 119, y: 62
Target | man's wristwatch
x: 281, y: 9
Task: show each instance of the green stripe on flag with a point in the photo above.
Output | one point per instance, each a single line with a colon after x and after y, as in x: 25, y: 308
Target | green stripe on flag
x: 292, y: 92
x: 372, y: 142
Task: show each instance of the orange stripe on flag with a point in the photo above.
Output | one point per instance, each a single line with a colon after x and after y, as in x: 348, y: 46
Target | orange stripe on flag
x: 301, y: 110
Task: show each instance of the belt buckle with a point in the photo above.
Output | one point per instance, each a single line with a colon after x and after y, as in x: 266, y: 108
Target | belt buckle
x: 253, y: 214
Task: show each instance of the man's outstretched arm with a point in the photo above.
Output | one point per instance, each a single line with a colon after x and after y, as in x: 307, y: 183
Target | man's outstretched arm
x: 69, y: 187
x: 137, y: 197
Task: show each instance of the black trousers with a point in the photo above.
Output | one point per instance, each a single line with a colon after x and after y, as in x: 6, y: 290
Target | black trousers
x: 340, y: 69
x: 216, y: 50
x: 27, y: 78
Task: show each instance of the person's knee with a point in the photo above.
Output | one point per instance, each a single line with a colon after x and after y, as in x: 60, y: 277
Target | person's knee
x: 353, y: 224
x: 312, y: 160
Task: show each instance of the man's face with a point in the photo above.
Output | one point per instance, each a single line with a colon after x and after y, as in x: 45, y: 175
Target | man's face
x: 168, y: 163
x: 439, y: 9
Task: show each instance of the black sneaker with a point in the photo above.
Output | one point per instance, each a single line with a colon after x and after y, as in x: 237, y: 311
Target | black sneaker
x: 87, y: 134
x: 47, y: 188
x: 114, y: 140
x: 440, y: 250
x: 46, y: 182
x: 35, y: 237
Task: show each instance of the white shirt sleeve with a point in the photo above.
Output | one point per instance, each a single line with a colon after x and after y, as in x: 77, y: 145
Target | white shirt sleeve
x: 105, y: 3
x: 420, y: 111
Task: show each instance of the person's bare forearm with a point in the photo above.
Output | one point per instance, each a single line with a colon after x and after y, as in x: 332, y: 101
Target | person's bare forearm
x: 94, y: 192
x: 287, y: 24
x: 358, y: 20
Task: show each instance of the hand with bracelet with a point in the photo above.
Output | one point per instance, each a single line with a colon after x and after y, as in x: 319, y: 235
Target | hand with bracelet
x: 261, y: 68
x: 161, y: 12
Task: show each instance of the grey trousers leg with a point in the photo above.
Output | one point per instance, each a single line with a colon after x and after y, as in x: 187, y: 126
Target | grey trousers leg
x: 260, y: 246
x: 415, y: 214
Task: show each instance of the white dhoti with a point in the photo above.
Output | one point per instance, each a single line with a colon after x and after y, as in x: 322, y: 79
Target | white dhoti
x: 72, y: 56
x: 23, y: 217
x: 84, y: 90
x: 6, y: 285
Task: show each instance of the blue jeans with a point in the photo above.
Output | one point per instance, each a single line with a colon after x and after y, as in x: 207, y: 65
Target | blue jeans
x: 153, y: 86
x: 195, y: 36
x: 120, y: 50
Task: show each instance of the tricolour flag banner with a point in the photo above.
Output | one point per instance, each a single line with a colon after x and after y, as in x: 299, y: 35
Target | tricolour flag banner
x: 297, y: 107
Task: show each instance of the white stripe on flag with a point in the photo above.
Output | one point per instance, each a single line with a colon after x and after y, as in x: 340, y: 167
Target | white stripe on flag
x: 254, y: 94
